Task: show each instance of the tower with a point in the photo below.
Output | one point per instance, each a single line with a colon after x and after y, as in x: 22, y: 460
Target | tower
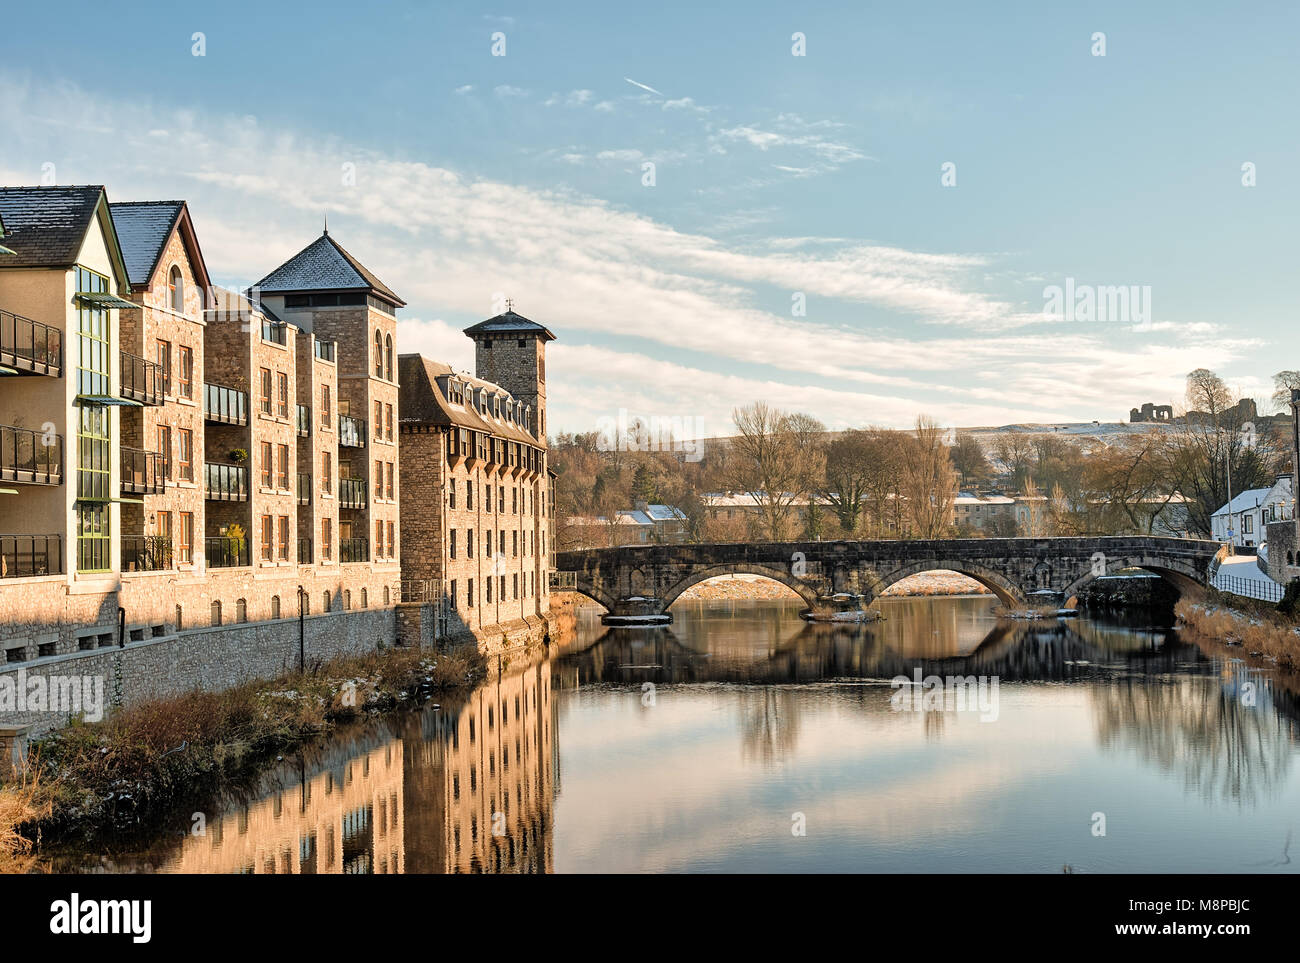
x: 510, y: 351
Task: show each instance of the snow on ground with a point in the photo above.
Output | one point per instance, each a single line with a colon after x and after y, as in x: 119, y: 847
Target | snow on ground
x: 1241, y: 575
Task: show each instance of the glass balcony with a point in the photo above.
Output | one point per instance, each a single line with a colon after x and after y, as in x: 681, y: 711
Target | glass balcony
x: 222, y: 551
x: 304, y: 488
x: 304, y: 421
x: 324, y: 350
x: 142, y: 380
x: 352, y: 432
x: 30, y: 346
x: 24, y: 556
x: 225, y: 405
x: 352, y: 493
x: 354, y: 550
x: 143, y: 472
x: 226, y: 483
x: 304, y: 551
x: 146, y: 553
x: 275, y: 332
x: 24, y: 457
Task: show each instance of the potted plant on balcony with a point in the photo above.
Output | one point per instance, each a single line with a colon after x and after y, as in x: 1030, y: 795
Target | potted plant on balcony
x: 235, y: 540
x: 239, y: 455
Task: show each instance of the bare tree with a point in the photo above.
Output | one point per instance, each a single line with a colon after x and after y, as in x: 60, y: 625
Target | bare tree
x: 774, y: 459
x: 929, y: 480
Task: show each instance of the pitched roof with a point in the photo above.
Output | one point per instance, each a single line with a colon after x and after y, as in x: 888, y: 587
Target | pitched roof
x: 1244, y: 501
x: 323, y: 265
x: 45, y: 226
x: 421, y: 400
x: 143, y: 228
x: 510, y: 323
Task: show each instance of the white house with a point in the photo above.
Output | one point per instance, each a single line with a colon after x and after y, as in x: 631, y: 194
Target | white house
x: 1249, y: 511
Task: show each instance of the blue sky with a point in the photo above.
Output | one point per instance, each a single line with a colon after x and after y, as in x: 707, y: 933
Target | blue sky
x: 522, y: 175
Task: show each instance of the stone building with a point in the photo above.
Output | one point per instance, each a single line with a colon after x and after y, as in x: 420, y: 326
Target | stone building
x: 476, y: 510
x: 183, y: 469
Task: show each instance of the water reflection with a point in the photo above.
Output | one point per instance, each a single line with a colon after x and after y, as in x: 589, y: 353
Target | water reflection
x: 752, y: 715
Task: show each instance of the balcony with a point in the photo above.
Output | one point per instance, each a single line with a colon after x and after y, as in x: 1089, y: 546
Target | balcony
x: 222, y: 551
x: 304, y: 551
x: 143, y: 472
x: 226, y: 406
x: 146, y: 553
x: 304, y: 421
x: 352, y: 432
x: 24, y: 458
x: 304, y: 488
x: 354, y: 550
x: 30, y: 346
x: 225, y: 483
x: 24, y: 556
x: 142, y: 380
x: 324, y: 350
x: 352, y: 493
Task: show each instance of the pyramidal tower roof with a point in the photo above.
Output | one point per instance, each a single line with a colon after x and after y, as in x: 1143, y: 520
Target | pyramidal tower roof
x: 323, y: 265
x: 509, y: 323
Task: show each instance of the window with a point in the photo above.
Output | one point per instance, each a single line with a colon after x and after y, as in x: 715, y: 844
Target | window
x: 347, y: 598
x: 93, y: 447
x: 325, y: 407
x: 241, y: 610
x: 451, y: 544
x: 469, y: 543
x: 388, y: 421
x: 282, y: 543
x: 452, y: 594
x: 365, y: 599
x: 186, y: 553
x: 388, y: 486
x: 386, y: 596
x: 388, y: 357
x: 469, y: 594
x: 379, y: 354
x: 268, y: 538
x: 163, y: 524
x: 379, y: 479
x: 275, y: 606
x: 469, y: 494
x: 165, y: 446
x: 392, y: 542
x: 282, y: 468
x: 265, y: 392
x: 163, y: 355
x: 514, y: 501
x: 379, y: 539
x: 326, y: 599
x: 216, y: 613
x: 92, y: 538
x: 451, y: 494
x: 282, y: 393
x: 92, y: 341
x: 487, y: 544
x: 501, y: 502
x: 185, y: 454
x: 327, y: 473
x: 176, y: 290
x: 488, y: 585
x: 185, y: 375
x: 516, y: 585
x: 266, y: 464
x: 327, y: 538
x: 503, y: 541
x: 514, y: 543
x: 379, y: 420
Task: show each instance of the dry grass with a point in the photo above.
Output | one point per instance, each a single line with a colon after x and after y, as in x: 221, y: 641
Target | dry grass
x: 141, y: 762
x: 21, y: 804
x: 1260, y: 632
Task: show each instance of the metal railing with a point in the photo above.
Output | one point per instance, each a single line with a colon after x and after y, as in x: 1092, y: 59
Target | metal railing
x: 352, y: 431
x: 222, y: 551
x: 225, y: 483
x: 142, y: 379
x: 352, y: 493
x: 324, y: 350
x: 226, y: 405
x: 304, y: 551
x: 354, y: 550
x: 30, y: 345
x: 146, y: 553
x: 143, y: 472
x: 25, y: 458
x: 304, y: 488
x: 23, y: 556
x: 1265, y: 591
x: 304, y: 421
x: 419, y: 590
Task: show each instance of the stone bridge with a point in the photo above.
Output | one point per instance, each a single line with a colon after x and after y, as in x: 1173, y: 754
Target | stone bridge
x: 637, y: 584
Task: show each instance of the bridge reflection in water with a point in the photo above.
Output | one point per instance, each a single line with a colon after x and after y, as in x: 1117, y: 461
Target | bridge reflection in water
x: 754, y: 708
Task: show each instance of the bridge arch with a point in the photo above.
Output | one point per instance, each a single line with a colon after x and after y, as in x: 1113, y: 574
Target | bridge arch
x: 805, y: 591
x: 1006, y: 591
x: 1182, y: 577
x: 584, y: 586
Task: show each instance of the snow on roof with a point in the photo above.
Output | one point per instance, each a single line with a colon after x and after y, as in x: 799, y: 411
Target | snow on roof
x: 1244, y: 501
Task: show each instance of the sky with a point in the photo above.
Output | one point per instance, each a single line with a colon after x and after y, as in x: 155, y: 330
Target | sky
x: 857, y: 211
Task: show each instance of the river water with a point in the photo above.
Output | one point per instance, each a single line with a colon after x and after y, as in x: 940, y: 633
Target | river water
x: 742, y: 739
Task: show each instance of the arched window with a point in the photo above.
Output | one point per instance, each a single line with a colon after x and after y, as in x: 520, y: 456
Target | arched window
x: 180, y: 617
x: 241, y: 610
x: 327, y: 600
x: 1290, y: 558
x: 216, y: 613
x: 379, y: 354
x: 275, y: 606
x: 176, y: 290
x: 347, y: 598
x: 388, y: 357
x: 386, y: 595
x: 365, y: 601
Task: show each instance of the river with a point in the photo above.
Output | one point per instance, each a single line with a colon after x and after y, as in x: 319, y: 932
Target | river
x: 742, y: 739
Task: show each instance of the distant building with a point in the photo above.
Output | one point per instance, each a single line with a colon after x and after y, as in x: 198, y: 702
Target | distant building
x: 983, y: 512
x: 646, y: 524
x: 1151, y: 412
x: 1248, y: 513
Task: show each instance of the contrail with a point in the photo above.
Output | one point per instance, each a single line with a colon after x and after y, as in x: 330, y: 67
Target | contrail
x: 636, y: 83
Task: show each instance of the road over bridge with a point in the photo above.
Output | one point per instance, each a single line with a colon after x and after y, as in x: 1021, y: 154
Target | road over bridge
x: 637, y: 584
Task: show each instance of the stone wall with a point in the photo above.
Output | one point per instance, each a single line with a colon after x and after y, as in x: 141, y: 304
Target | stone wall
x: 1283, y: 556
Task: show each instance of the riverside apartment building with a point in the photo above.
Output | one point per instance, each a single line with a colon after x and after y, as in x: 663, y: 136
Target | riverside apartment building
x: 185, y: 470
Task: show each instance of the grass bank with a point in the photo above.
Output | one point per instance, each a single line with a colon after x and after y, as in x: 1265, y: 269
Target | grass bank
x: 1257, y: 627
x: 130, y: 770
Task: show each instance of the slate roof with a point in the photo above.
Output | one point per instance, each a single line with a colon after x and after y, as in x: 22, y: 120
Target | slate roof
x: 45, y: 226
x: 323, y: 265
x: 421, y: 400
x: 142, y: 229
x: 1244, y: 501
x: 509, y: 323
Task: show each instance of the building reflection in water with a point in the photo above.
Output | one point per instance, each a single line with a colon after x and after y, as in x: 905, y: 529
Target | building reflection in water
x: 466, y: 788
